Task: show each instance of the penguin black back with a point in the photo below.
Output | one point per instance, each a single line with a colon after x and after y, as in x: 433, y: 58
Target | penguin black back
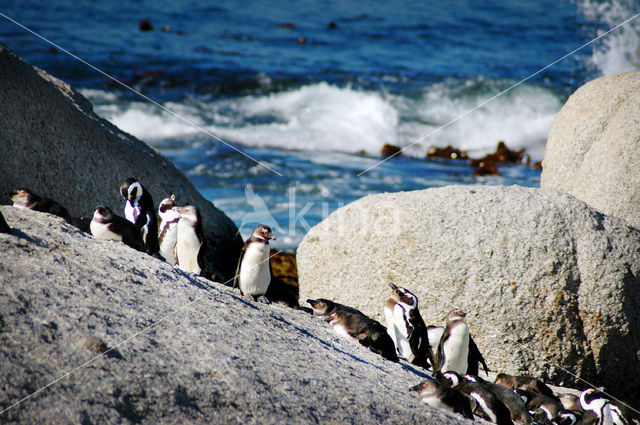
x: 139, y: 199
x: 368, y: 332
x: 435, y: 394
x: 24, y: 198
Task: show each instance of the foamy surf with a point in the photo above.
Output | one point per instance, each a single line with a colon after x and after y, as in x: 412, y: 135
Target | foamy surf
x: 324, y: 117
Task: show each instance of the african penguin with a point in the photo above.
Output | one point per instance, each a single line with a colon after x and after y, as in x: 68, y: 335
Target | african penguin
x: 607, y: 412
x: 525, y: 383
x: 534, y: 400
x: 253, y: 273
x: 4, y: 227
x: 487, y: 406
x: 406, y: 327
x: 569, y: 401
x: 511, y: 400
x: 189, y: 239
x: 348, y: 322
x: 139, y: 210
x: 168, y: 217
x: 26, y: 199
x: 453, y: 349
x: 437, y: 395
x: 107, y: 226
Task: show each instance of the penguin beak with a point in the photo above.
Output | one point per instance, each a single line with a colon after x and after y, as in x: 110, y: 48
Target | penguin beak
x: 415, y: 388
x: 393, y: 287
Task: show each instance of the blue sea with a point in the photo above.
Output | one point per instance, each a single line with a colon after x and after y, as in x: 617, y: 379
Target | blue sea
x: 314, y: 89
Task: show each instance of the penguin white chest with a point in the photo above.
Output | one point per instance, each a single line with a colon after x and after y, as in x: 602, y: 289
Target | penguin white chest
x: 168, y: 237
x: 187, y: 247
x: 101, y: 231
x: 254, y: 276
x: 399, y: 332
x: 456, y: 349
x: 131, y: 212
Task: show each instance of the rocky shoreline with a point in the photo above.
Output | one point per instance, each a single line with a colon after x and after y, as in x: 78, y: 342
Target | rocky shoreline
x: 552, y: 281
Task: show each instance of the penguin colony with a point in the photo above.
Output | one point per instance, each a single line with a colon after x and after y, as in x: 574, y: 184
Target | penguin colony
x: 174, y: 234
x: 447, y: 352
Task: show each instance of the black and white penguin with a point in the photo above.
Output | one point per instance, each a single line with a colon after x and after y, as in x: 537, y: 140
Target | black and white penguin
x: 534, y: 401
x: 437, y: 395
x: 4, y: 227
x: 253, y: 273
x: 511, y: 400
x: 525, y: 383
x: 457, y: 351
x: 139, y: 210
x: 407, y: 328
x: 26, y: 199
x: 105, y: 225
x: 189, y: 239
x: 488, y: 406
x: 453, y: 349
x: 351, y: 323
x: 168, y: 217
x: 607, y: 412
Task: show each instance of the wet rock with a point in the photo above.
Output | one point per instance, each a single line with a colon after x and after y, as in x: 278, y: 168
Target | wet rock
x: 145, y: 25
x: 550, y: 282
x: 485, y: 166
x: 593, y: 152
x: 504, y: 154
x: 448, y: 152
x: 389, y: 150
x: 284, y: 279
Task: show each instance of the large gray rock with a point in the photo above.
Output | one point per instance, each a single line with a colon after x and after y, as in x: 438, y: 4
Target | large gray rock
x: 185, y: 349
x: 54, y: 144
x: 593, y: 149
x: 553, y: 286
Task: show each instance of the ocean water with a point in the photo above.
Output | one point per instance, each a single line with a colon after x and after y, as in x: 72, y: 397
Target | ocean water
x: 314, y: 90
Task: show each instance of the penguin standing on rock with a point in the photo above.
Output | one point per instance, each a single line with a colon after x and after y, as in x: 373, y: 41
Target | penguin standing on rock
x: 139, y: 210
x: 437, y: 395
x: 407, y: 328
x: 457, y: 352
x: 107, y: 226
x: 168, y: 218
x: 189, y: 239
x: 253, y: 273
x: 351, y: 323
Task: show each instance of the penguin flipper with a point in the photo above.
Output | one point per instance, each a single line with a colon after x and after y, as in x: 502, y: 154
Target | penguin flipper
x: 236, y: 277
x: 439, y: 355
x: 475, y: 357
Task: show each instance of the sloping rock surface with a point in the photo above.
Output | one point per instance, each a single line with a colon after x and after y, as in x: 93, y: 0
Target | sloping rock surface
x: 553, y: 286
x: 55, y: 145
x: 593, y: 149
x: 184, y: 349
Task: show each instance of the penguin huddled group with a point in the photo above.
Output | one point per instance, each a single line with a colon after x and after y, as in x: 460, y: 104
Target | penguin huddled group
x: 174, y: 234
x: 453, y: 359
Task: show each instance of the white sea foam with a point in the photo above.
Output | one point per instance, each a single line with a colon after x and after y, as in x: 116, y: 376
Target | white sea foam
x: 323, y: 117
x: 619, y: 51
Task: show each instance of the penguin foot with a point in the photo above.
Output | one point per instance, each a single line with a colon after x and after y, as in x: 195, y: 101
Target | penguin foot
x: 263, y: 299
